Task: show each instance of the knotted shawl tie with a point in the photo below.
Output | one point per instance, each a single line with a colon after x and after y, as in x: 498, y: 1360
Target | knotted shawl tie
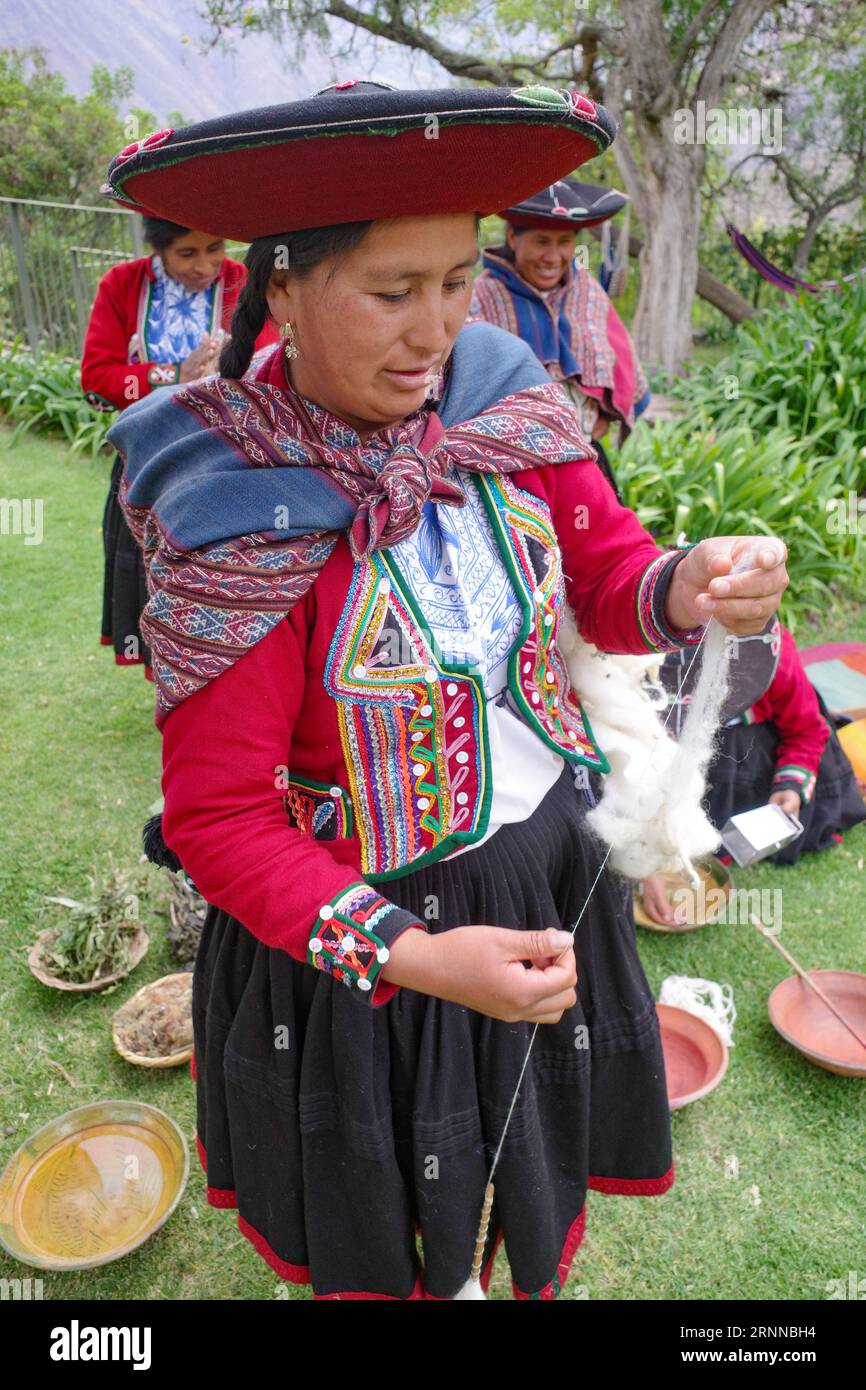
x: 391, y: 511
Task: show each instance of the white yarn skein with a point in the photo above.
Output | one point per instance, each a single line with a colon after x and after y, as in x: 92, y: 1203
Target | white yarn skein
x: 650, y: 813
x: 712, y: 1002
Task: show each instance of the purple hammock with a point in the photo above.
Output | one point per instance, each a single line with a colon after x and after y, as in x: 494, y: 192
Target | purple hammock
x: 773, y: 275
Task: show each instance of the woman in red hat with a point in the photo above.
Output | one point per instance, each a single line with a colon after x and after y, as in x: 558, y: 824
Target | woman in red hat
x: 155, y: 321
x: 359, y: 559
x: 533, y: 286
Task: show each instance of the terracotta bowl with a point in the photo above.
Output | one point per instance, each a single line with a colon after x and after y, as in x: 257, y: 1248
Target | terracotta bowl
x: 800, y: 1017
x: 715, y: 878
x: 696, y: 1058
x: 36, y: 961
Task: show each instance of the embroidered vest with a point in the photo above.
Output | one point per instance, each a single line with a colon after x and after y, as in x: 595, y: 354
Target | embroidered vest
x: 413, y: 728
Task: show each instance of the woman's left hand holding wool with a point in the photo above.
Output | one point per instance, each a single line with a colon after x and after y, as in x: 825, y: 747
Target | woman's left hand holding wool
x: 703, y: 587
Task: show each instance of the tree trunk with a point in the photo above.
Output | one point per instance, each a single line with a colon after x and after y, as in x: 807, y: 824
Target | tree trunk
x: 671, y: 194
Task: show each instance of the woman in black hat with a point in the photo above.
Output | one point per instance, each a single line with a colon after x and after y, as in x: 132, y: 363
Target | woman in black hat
x: 532, y: 286
x: 359, y: 559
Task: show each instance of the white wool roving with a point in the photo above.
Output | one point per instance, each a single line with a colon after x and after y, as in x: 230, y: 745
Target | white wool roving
x: 651, y: 819
x: 650, y: 813
x: 704, y: 998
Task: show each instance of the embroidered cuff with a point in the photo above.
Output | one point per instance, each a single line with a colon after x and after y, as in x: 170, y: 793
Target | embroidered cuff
x: 97, y: 402
x: 351, y: 938
x: 790, y: 777
x: 651, y: 595
x: 163, y: 374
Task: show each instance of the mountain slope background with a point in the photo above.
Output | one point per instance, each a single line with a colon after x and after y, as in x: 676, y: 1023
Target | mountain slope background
x: 162, y: 41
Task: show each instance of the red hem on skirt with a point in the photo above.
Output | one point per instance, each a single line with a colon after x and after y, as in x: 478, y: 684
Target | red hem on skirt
x: 106, y: 641
x: 569, y: 1250
x: 633, y: 1187
x: 120, y: 660
x: 300, y: 1274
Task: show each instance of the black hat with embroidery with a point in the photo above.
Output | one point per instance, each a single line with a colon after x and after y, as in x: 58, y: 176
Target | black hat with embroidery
x: 566, y: 203
x: 358, y: 151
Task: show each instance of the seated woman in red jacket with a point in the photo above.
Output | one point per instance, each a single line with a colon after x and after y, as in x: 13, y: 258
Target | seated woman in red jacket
x: 359, y: 566
x: 778, y: 744
x: 155, y: 321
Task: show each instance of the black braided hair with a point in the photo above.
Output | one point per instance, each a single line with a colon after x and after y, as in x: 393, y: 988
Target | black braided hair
x: 296, y: 253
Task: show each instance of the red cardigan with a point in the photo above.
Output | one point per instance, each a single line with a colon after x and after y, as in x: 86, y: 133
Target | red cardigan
x: 227, y: 747
x: 106, y: 372
x: 791, y: 706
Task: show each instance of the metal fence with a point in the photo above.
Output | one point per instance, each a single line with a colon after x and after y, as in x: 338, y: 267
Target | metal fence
x: 51, y: 258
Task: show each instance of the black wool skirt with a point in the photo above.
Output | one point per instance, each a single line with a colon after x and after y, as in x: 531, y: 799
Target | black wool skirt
x: 343, y: 1133
x: 741, y: 777
x: 124, y: 589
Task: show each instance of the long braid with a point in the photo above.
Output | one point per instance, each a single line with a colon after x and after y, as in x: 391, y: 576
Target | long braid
x: 248, y: 320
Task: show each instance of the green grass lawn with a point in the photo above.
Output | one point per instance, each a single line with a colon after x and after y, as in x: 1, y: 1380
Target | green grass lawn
x: 80, y: 770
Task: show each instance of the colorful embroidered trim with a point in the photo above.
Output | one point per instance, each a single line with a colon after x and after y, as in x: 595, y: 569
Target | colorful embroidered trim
x: 163, y: 374
x: 413, y: 738
x: 658, y: 636
x: 803, y: 778
x: 344, y: 943
x: 318, y: 809
x: 538, y: 677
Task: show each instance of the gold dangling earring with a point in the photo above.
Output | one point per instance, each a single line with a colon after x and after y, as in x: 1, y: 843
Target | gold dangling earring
x: 287, y: 333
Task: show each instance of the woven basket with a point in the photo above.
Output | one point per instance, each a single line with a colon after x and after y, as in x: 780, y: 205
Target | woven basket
x: 36, y: 961
x: 174, y: 1059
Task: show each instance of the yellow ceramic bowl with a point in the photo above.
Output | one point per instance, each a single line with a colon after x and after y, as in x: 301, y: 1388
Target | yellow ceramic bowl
x: 701, y: 908
x: 91, y: 1185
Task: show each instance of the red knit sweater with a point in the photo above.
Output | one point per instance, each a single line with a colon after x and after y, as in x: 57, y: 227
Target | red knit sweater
x: 106, y: 371
x: 791, y: 706
x: 227, y: 747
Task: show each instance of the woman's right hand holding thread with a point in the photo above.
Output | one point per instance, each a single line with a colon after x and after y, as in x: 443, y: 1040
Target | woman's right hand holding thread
x: 483, y: 968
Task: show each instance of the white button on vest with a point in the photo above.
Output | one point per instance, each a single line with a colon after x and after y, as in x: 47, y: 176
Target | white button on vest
x: 451, y: 688
x: 364, y: 985
x: 418, y: 768
x: 463, y: 757
x: 430, y: 675
x: 459, y: 722
x: 462, y: 798
x: 426, y: 711
x: 315, y: 945
x: 336, y: 791
x: 326, y: 912
x: 348, y: 943
x: 359, y: 671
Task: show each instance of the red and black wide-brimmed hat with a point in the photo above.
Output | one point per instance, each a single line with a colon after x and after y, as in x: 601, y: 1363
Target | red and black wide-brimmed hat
x: 359, y: 151
x: 566, y: 203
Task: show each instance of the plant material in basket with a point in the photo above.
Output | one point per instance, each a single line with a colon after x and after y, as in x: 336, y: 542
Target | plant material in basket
x: 187, y: 910
x: 157, y: 1022
x: 96, y: 936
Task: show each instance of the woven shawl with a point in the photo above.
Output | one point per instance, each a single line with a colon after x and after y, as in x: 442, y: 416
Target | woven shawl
x: 237, y: 499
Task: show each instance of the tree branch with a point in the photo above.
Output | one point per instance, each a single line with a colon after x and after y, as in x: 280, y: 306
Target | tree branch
x: 682, y: 55
x: 726, y: 47
x: 399, y: 31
